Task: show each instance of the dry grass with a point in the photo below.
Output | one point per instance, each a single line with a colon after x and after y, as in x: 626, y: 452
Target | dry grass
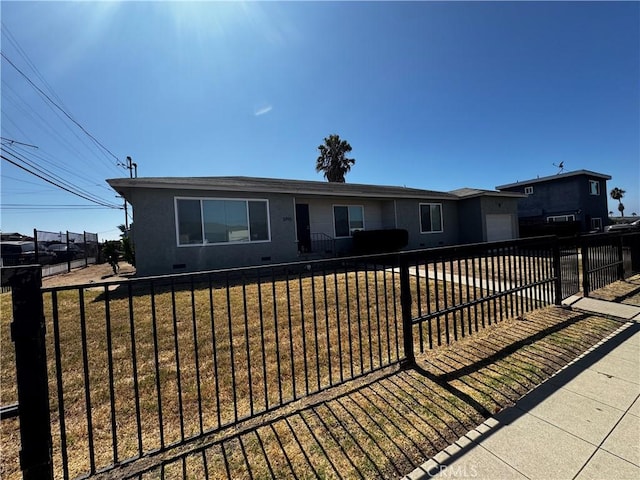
x: 625, y: 291
x: 372, y: 427
x: 384, y: 427
x: 205, y: 357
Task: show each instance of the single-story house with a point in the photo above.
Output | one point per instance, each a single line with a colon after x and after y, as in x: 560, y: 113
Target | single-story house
x: 192, y: 224
x: 579, y: 198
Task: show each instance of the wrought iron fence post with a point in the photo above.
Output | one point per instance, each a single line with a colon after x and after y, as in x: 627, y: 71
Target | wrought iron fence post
x: 28, y: 335
x: 557, y: 270
x: 84, y: 248
x: 586, y: 282
x: 405, y: 303
x: 634, y: 246
x: 35, y: 243
x: 68, y: 254
x: 620, y: 253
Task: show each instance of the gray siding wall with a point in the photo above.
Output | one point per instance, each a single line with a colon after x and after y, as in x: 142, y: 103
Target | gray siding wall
x: 559, y: 197
x: 565, y: 196
x: 321, y: 216
x: 593, y: 206
x: 408, y: 218
x: 321, y: 213
x: 157, y: 251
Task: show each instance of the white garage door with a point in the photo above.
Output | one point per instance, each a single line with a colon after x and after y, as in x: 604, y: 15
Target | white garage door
x: 499, y: 227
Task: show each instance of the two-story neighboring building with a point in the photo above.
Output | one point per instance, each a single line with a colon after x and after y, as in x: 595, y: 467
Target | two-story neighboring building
x: 203, y: 223
x: 578, y: 198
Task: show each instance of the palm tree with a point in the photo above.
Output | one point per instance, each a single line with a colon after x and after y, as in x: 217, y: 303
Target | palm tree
x: 617, y: 194
x: 332, y: 160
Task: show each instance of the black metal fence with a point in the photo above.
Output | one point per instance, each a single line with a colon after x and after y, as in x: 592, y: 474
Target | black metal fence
x: 607, y: 258
x: 457, y: 291
x: 322, y: 243
x: 141, y: 366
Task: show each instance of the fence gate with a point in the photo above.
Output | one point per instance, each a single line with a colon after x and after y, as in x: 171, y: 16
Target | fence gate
x: 569, y: 268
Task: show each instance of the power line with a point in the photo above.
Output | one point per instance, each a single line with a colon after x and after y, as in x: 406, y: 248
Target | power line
x: 21, y: 157
x: 49, y: 159
x: 11, y: 142
x: 17, y: 153
x: 58, y: 185
x: 25, y: 57
x: 44, y: 94
x: 28, y: 206
x: 35, y: 116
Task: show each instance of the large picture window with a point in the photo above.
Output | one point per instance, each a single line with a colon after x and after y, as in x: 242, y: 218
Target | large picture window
x: 211, y: 221
x: 347, y: 219
x: 430, y: 217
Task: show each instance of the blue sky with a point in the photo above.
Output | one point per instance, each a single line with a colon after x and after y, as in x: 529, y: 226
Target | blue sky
x: 430, y: 95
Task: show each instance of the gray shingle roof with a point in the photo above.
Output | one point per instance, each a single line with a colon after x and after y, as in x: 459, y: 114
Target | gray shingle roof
x: 477, y: 192
x: 276, y: 185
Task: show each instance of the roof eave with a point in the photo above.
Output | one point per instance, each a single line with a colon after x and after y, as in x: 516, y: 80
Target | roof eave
x: 554, y: 177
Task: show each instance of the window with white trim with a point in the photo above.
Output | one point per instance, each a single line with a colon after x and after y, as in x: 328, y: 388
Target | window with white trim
x: 204, y: 221
x: 348, y: 219
x: 561, y: 218
x: 596, y: 224
x: 430, y: 217
x: 594, y: 187
x: 528, y: 190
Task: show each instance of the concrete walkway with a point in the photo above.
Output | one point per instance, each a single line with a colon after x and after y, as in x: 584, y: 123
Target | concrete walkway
x: 582, y: 423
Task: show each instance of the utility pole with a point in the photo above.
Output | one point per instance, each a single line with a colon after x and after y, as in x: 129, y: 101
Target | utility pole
x: 126, y: 219
x: 132, y: 166
x: 126, y: 215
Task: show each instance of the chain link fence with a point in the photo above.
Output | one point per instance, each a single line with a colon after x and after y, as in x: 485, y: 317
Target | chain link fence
x: 57, y: 252
x: 64, y: 251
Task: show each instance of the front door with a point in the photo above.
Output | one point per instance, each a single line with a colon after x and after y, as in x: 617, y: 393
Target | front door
x: 303, y: 228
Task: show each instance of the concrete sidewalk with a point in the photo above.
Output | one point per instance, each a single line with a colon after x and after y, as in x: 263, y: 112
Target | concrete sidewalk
x: 582, y: 423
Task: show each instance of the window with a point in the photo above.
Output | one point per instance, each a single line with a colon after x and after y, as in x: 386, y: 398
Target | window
x: 561, y: 218
x: 215, y: 221
x: 430, y: 217
x: 189, y: 222
x: 596, y: 224
x: 594, y: 187
x: 347, y: 219
x: 528, y: 190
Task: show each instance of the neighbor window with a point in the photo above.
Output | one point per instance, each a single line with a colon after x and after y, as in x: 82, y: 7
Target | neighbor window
x: 430, y: 217
x: 561, y: 218
x: 594, y: 187
x: 348, y: 219
x: 596, y: 224
x: 207, y: 221
x: 528, y: 190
